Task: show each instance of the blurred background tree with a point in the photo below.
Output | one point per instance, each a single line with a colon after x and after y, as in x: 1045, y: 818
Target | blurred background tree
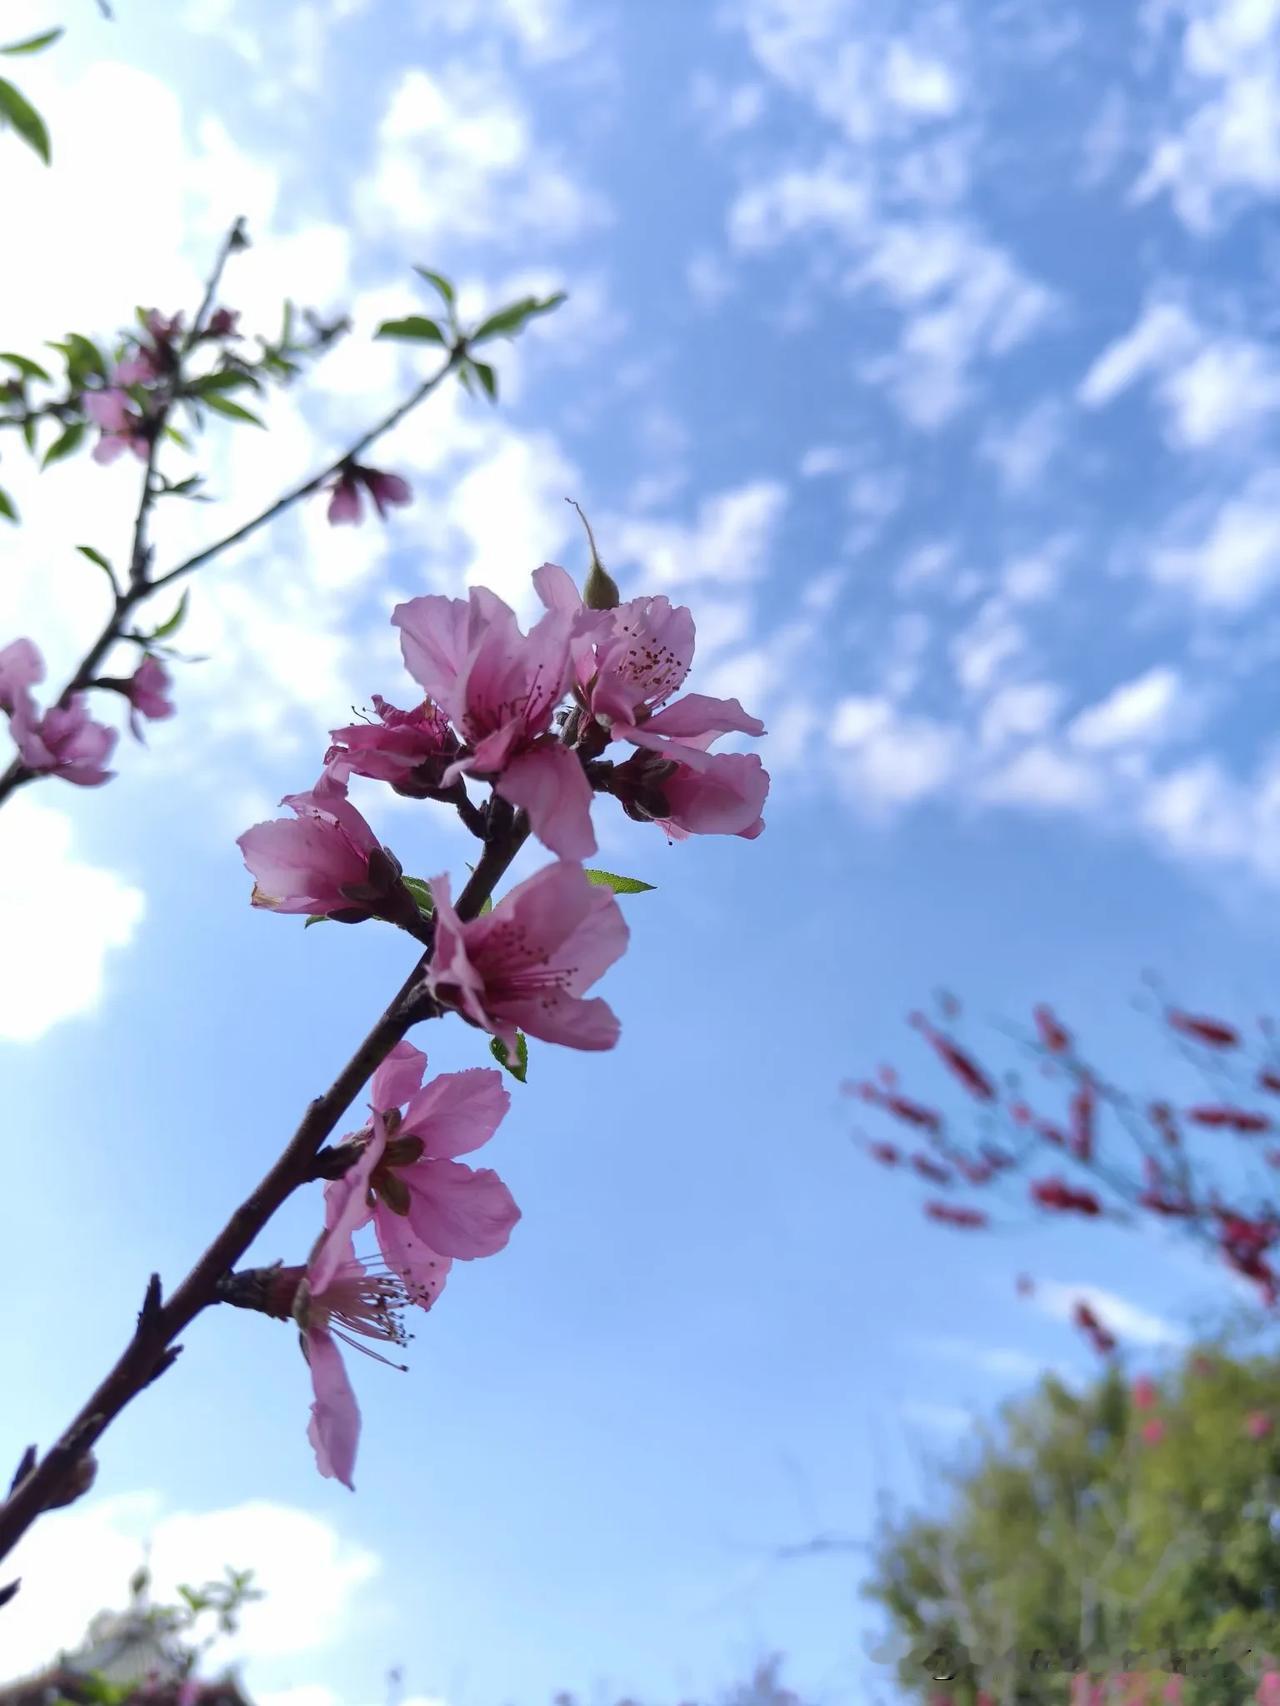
x: 1138, y: 1515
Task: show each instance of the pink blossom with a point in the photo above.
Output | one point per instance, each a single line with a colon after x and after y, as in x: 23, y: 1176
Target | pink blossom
x: 223, y: 323
x: 525, y: 964
x: 426, y: 1206
x: 410, y: 749
x: 628, y: 662
x: 1268, y: 1688
x: 162, y: 330
x: 325, y: 860
x: 122, y: 426
x: 21, y: 667
x: 336, y: 1297
x: 1174, y: 1689
x: 1144, y: 1392
x: 147, y: 692
x: 718, y: 794
x: 500, y: 689
x: 1258, y: 1424
x: 66, y: 742
x: 1153, y: 1431
x: 385, y: 490
x: 137, y: 369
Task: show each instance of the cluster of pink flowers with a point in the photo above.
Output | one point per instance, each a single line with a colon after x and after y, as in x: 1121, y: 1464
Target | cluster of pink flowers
x: 122, y: 425
x: 531, y: 715
x: 65, y: 740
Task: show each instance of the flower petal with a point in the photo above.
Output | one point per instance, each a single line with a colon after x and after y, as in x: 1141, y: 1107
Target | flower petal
x: 549, y: 782
x: 334, y: 1430
x: 457, y: 1112
x: 460, y: 1210
x: 398, y: 1078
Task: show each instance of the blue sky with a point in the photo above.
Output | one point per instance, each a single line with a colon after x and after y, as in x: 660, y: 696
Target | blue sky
x: 928, y: 353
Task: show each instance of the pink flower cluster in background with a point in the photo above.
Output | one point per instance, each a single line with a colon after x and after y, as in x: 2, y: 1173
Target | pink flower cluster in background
x: 65, y: 740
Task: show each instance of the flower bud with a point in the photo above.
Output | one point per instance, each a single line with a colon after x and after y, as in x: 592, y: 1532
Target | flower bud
x: 600, y: 591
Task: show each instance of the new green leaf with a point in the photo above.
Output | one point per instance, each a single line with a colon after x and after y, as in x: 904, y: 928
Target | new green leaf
x: 17, y: 111
x: 509, y: 320
x: 438, y: 281
x: 6, y: 506
x: 224, y: 406
x: 97, y: 557
x: 33, y: 44
x: 414, y: 327
x: 520, y: 1068
x: 619, y: 885
x: 166, y: 629
x: 28, y: 368
x: 66, y: 444
x: 421, y: 892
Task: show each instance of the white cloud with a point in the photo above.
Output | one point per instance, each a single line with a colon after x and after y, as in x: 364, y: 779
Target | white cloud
x: 982, y: 652
x: 730, y: 542
x: 1127, y: 1320
x: 1042, y: 777
x: 1222, y: 150
x: 456, y: 156
x: 73, y: 1560
x: 1004, y: 1364
x: 1227, y: 557
x: 1163, y: 331
x: 1138, y: 712
x: 56, y: 953
x: 1021, y: 710
x: 1209, y: 386
x: 883, y: 758
x: 1021, y: 451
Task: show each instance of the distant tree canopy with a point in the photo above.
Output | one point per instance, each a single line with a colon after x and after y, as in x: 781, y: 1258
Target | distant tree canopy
x: 1125, y: 1533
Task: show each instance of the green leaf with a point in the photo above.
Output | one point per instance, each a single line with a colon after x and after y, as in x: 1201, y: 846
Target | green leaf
x: 316, y: 918
x: 224, y: 406
x: 169, y: 628
x: 6, y: 506
x: 421, y: 892
x: 509, y: 320
x: 177, y: 437
x: 439, y: 281
x: 33, y: 44
x: 85, y: 354
x: 286, y: 325
x: 415, y: 327
x: 187, y: 489
x: 488, y: 378
x: 619, y: 885
x: 97, y: 557
x: 498, y: 1049
x: 28, y: 368
x: 16, y: 110
x: 29, y: 433
x: 225, y: 379
x: 66, y: 444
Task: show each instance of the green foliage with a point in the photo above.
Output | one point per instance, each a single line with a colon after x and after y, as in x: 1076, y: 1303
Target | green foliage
x: 508, y: 321
x: 66, y: 444
x: 17, y: 112
x: 1072, y: 1534
x: 619, y: 885
x: 416, y: 328
x: 6, y: 506
x: 518, y: 1068
x: 234, y: 411
x: 26, y: 367
x: 34, y: 44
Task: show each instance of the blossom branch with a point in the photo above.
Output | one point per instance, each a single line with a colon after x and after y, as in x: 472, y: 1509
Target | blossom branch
x: 142, y: 588
x: 152, y: 1348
